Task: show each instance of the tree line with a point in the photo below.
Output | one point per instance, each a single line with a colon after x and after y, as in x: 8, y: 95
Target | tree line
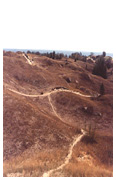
x: 52, y: 55
x: 100, y: 67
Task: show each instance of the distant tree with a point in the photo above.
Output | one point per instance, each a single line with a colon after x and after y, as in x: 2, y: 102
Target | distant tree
x: 91, y: 54
x: 80, y: 53
x: 50, y: 55
x: 76, y: 56
x: 102, y: 89
x: 28, y: 52
x: 37, y: 53
x: 61, y: 55
x: 53, y: 55
x: 104, y: 53
x: 100, y: 67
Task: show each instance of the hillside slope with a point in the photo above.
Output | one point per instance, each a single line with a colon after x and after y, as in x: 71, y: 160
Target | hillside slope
x: 46, y: 104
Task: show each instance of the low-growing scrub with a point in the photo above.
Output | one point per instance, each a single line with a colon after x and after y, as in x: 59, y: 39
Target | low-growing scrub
x: 34, y: 165
x: 84, y: 170
x: 88, y: 139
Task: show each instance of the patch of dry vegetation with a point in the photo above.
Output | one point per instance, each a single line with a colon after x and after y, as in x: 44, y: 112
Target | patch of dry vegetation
x: 35, y: 164
x: 88, y: 160
x: 82, y: 169
x: 92, y: 159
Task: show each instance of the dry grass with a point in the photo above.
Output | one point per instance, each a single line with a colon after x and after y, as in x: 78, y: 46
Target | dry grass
x: 82, y: 169
x: 92, y: 159
x: 30, y: 126
x: 36, y: 164
x: 88, y: 160
x: 101, y: 150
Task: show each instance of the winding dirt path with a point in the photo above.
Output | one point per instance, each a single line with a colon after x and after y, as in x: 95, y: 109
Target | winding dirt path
x: 53, y: 107
x: 69, y: 156
x: 49, y: 93
x: 49, y: 98
x: 76, y: 139
x: 55, y: 112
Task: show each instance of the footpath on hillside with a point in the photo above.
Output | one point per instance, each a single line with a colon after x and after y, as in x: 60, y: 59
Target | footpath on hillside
x: 69, y: 156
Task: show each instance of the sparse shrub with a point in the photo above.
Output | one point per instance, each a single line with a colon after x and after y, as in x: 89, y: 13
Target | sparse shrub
x: 88, y: 139
x: 90, y: 136
x: 68, y: 80
x: 88, y: 110
x: 102, y: 89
